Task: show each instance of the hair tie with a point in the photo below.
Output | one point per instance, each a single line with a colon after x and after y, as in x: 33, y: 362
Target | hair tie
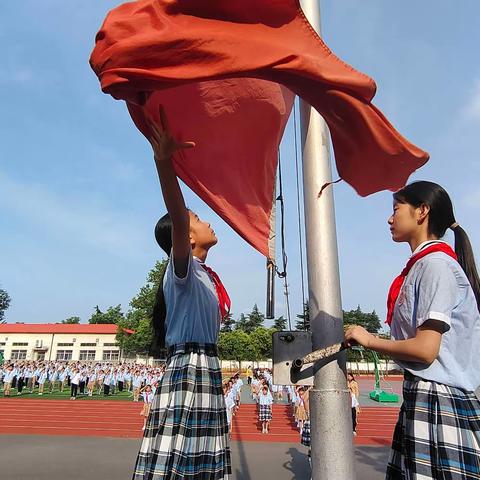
x: 454, y: 225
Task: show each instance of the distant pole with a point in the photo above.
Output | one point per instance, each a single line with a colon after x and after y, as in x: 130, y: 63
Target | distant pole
x: 330, y: 404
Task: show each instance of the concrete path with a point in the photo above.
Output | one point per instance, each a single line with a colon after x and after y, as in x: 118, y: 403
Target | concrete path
x: 32, y: 457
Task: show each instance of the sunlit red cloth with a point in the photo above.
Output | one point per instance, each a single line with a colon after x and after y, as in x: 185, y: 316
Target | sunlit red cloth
x: 397, y: 284
x: 169, y: 51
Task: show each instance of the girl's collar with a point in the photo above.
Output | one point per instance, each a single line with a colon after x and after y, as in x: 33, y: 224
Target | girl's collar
x: 425, y: 245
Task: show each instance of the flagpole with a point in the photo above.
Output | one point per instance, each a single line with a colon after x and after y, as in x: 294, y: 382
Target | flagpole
x: 330, y: 404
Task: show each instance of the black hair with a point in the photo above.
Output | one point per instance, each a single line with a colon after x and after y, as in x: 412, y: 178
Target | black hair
x: 163, y: 236
x: 440, y: 218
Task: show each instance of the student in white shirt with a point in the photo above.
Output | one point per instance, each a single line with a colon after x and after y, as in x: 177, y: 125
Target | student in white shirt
x: 147, y: 395
x: 265, y: 401
x: 42, y: 378
x: 74, y: 382
x: 433, y: 313
x: 7, y: 381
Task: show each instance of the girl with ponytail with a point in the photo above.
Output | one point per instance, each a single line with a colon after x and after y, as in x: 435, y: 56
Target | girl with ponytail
x: 186, y: 434
x: 433, y: 313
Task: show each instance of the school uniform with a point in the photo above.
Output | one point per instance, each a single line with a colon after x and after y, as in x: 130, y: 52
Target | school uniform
x: 265, y: 407
x: 186, y: 435
x: 106, y: 384
x: 147, y: 403
x: 229, y: 405
x: 7, y: 381
x: 438, y: 430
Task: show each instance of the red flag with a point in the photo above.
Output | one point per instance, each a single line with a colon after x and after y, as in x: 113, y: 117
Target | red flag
x: 169, y: 51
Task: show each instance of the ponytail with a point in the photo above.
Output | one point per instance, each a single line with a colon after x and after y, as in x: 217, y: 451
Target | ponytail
x: 464, y: 251
x: 163, y: 236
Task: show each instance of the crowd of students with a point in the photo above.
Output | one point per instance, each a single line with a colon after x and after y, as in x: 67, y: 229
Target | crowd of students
x: 81, y: 378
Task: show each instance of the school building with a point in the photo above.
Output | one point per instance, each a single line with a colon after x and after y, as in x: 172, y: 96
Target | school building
x: 51, y: 341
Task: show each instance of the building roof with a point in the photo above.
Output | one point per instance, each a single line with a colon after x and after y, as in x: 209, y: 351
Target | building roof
x: 77, y: 328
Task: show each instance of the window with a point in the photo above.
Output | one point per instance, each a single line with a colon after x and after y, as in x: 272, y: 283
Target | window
x: 111, y: 354
x: 87, y: 354
x: 64, y: 354
x: 18, y: 355
x: 20, y: 344
x: 2, y: 344
x: 110, y: 344
x: 88, y: 344
x: 64, y: 344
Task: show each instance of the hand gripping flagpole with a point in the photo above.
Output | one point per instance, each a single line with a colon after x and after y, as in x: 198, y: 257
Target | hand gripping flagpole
x: 330, y: 404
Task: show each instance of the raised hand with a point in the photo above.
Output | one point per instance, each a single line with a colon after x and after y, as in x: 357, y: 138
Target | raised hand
x: 162, y: 141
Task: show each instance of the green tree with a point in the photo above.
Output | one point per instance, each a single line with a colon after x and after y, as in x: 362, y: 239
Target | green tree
x: 303, y: 322
x: 139, y: 341
x: 369, y: 321
x: 145, y: 299
x: 261, y: 339
x: 237, y: 345
x: 71, y: 320
x: 241, y: 323
x: 280, y: 323
x: 139, y: 317
x: 253, y: 320
x: 4, y: 304
x: 228, y: 323
x: 112, y: 315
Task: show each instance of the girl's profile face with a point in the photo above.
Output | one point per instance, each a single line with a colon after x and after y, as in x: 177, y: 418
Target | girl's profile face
x: 403, y: 222
x: 201, y: 233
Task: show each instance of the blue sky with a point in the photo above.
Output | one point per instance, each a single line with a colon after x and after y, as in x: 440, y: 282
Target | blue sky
x: 79, y: 194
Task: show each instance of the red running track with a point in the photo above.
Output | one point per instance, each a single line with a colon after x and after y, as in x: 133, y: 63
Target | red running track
x: 104, y: 418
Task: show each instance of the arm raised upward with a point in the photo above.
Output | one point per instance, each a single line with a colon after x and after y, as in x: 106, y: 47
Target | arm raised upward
x: 164, y: 146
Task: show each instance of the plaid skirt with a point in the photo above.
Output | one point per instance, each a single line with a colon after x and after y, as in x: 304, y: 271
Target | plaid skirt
x: 186, y: 436
x: 437, y: 435
x: 264, y: 413
x: 305, y: 438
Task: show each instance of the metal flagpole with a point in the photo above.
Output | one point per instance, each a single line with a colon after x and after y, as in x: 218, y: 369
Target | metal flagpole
x: 330, y: 404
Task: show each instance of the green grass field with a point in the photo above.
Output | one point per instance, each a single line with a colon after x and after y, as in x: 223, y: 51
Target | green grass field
x: 65, y: 395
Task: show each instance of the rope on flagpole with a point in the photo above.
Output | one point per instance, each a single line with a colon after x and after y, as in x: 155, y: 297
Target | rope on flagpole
x: 283, y: 274
x: 299, y: 216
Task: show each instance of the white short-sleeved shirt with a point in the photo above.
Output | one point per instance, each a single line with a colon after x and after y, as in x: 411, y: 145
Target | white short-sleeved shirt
x: 193, y: 314
x: 437, y: 288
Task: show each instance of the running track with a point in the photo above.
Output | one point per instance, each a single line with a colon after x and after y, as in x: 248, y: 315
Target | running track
x: 104, y: 418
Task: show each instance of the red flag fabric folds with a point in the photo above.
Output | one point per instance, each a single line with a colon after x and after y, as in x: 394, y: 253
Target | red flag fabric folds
x: 211, y: 63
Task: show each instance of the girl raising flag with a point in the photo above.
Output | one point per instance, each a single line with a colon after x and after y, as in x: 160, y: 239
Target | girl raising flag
x: 433, y: 313
x: 186, y: 434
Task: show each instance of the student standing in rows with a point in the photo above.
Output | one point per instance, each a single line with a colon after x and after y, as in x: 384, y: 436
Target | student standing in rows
x: 187, y: 431
x: 137, y: 381
x: 92, y: 378
x: 42, y: 378
x: 7, y: 381
x: 74, y: 382
x: 433, y: 312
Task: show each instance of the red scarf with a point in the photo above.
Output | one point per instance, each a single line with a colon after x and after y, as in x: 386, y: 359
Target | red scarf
x: 223, y: 298
x: 398, y: 282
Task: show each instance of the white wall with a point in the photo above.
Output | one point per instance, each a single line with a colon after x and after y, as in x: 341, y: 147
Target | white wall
x: 50, y: 343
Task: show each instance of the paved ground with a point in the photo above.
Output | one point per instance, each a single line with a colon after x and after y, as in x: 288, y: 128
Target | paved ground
x: 57, y: 458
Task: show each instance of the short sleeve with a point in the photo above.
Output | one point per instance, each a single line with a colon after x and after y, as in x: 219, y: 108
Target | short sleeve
x: 171, y: 270
x: 436, y: 292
